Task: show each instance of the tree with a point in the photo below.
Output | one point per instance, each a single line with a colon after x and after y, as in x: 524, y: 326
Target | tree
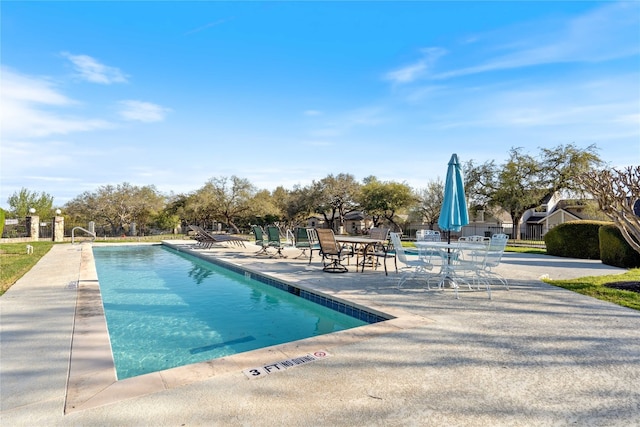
x: 429, y: 202
x: 385, y: 199
x: 617, y: 193
x: 334, y: 197
x: 23, y: 200
x: 116, y: 207
x: 230, y: 199
x: 525, y: 182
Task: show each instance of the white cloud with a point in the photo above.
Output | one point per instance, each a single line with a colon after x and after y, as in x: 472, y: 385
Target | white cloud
x: 412, y: 72
x: 312, y: 113
x: 93, y: 71
x: 26, y: 103
x: 142, y: 111
x: 602, y: 34
x: 605, y: 33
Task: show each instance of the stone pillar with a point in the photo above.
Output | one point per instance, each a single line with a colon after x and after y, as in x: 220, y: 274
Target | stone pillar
x: 33, y: 227
x: 58, y: 229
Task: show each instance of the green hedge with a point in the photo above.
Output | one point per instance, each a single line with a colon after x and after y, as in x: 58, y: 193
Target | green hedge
x: 614, y: 250
x: 2, y: 217
x: 575, y: 239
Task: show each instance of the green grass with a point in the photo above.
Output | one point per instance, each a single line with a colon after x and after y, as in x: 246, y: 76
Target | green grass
x: 15, y: 262
x: 593, y: 286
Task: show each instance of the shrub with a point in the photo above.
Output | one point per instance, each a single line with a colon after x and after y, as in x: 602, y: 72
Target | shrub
x: 614, y: 250
x: 575, y: 239
x: 2, y: 216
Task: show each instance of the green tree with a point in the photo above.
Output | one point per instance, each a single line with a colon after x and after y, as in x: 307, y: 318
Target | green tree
x: 427, y: 209
x: 230, y: 198
x: 385, y: 199
x: 335, y: 196
x: 524, y: 182
x: 116, y: 207
x: 21, y: 201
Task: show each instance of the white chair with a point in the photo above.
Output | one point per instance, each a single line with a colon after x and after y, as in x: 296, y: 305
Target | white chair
x: 413, y: 265
x: 314, y: 243
x: 495, y: 250
x: 464, y: 264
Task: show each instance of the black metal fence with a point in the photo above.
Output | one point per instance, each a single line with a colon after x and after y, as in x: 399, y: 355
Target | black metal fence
x: 17, y: 228
x: 14, y: 228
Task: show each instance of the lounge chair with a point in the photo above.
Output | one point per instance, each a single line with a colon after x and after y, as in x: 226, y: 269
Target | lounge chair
x: 332, y: 252
x: 207, y: 240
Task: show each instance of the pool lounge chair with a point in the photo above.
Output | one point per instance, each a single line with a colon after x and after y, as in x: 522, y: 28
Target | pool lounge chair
x: 207, y: 240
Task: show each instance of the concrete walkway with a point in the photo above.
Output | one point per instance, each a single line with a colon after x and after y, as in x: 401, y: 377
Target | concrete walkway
x: 534, y: 355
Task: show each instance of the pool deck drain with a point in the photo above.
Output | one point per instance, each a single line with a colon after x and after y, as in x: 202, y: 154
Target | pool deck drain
x: 534, y: 355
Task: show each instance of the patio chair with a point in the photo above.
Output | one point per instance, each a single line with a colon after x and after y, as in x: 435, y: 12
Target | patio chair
x: 413, y: 265
x: 497, y: 245
x: 260, y: 240
x: 301, y: 241
x: 314, y: 242
x: 275, y: 241
x: 332, y: 253
x: 383, y: 250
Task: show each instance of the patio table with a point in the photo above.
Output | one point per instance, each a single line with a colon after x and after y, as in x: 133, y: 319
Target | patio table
x: 446, y: 250
x: 364, y: 242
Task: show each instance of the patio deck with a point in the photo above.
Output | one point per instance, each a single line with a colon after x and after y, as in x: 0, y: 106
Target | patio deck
x: 534, y: 355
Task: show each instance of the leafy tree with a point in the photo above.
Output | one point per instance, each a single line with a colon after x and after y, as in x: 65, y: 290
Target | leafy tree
x: 524, y: 182
x: 23, y: 200
x: 617, y: 193
x: 264, y: 209
x: 116, y: 207
x: 385, y: 199
x: 334, y: 197
x: 429, y: 202
x: 230, y: 198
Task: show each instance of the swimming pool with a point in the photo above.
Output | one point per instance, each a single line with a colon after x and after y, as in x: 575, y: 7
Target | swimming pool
x: 166, y: 309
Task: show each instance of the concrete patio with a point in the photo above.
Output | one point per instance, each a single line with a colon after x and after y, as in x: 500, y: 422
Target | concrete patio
x: 534, y: 355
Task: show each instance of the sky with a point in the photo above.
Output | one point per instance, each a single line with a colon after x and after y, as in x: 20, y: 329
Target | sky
x: 172, y: 94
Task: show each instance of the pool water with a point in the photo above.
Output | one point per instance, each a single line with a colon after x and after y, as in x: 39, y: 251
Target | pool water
x: 166, y: 309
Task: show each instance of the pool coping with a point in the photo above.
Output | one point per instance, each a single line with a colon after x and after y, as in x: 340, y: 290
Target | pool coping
x: 92, y: 380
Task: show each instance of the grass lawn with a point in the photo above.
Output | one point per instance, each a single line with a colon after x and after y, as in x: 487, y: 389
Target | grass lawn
x: 15, y: 262
x: 595, y: 286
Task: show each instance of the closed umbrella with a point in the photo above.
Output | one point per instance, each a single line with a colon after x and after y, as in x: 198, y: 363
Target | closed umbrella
x: 454, y: 213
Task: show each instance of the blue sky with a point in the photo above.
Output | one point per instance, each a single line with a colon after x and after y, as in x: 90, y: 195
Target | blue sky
x: 172, y: 94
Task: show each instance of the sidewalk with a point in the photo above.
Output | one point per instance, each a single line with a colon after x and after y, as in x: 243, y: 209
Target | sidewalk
x: 534, y: 355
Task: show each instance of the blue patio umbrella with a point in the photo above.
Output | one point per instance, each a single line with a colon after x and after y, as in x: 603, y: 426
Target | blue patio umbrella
x: 454, y: 213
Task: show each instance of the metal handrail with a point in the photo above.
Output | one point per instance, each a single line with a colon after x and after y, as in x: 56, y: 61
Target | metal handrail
x: 83, y: 229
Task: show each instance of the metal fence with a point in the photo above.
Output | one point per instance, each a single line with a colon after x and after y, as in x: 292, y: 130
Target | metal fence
x: 14, y: 228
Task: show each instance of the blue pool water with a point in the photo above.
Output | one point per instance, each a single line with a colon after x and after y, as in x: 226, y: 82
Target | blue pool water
x: 166, y: 309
